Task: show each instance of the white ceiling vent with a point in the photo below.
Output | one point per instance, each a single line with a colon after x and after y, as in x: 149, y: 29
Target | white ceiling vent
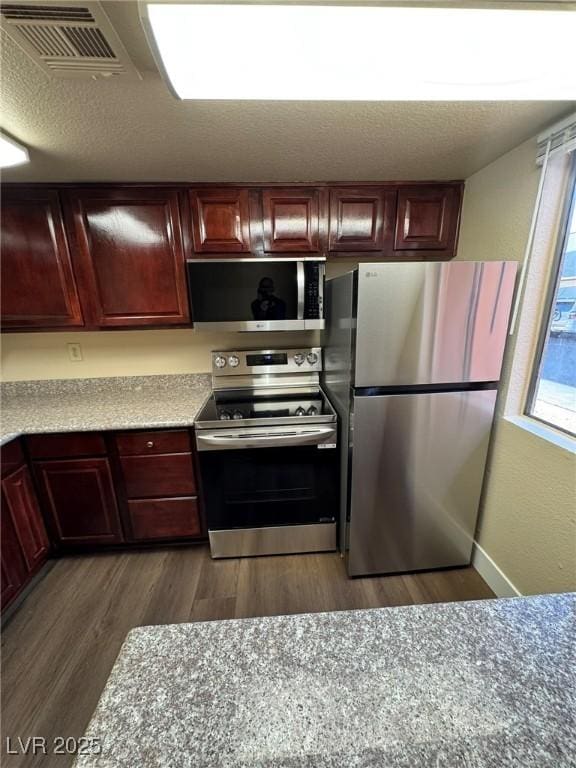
x: 71, y: 40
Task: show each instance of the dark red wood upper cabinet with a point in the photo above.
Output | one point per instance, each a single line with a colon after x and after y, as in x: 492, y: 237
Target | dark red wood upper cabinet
x: 292, y: 220
x: 220, y: 220
x: 428, y: 217
x: 38, y: 284
x: 361, y: 219
x: 129, y: 255
x: 20, y: 501
x: 79, y: 501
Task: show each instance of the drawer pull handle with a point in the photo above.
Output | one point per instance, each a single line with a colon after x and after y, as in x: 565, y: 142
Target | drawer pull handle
x: 150, y: 444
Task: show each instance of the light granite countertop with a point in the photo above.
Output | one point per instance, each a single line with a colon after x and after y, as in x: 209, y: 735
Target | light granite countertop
x: 487, y: 684
x: 78, y: 405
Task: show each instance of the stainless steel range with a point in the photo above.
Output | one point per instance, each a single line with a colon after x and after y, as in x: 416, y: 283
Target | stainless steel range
x: 267, y: 446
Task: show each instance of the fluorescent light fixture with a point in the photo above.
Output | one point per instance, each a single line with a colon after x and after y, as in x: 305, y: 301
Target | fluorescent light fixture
x: 363, y: 53
x: 11, y: 153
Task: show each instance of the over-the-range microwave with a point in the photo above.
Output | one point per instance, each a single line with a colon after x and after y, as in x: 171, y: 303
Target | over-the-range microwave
x: 282, y: 294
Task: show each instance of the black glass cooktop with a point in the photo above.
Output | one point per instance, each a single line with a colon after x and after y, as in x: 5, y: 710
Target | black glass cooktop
x: 236, y: 405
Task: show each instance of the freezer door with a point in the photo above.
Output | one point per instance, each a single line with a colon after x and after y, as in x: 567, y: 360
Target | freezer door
x: 432, y: 323
x: 417, y: 470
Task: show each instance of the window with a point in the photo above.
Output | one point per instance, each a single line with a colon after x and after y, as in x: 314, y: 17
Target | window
x: 552, y: 397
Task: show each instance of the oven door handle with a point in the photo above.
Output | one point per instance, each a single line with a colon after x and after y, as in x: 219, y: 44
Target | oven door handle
x: 213, y: 442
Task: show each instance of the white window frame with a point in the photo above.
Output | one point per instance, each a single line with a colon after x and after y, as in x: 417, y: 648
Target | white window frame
x: 532, y: 302
x: 546, y: 318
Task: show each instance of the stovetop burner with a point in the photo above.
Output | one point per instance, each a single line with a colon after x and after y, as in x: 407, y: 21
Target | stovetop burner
x: 228, y: 406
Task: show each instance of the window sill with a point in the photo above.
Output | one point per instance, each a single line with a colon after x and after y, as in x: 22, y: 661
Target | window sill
x: 560, y: 439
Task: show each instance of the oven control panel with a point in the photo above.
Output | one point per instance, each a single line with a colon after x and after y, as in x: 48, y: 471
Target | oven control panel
x: 267, y: 361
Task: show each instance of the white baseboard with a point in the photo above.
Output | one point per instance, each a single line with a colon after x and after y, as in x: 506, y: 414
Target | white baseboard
x: 496, y: 579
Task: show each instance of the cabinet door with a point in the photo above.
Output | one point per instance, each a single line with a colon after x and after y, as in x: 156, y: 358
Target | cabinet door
x: 291, y: 220
x: 130, y: 255
x: 20, y: 502
x: 220, y: 220
x: 12, y: 565
x: 38, y: 285
x: 427, y: 218
x: 360, y: 219
x: 79, y: 500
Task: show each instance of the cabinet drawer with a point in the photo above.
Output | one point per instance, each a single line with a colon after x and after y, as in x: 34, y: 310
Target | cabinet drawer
x: 143, y: 443
x: 164, y: 518
x: 170, y: 474
x: 61, y: 446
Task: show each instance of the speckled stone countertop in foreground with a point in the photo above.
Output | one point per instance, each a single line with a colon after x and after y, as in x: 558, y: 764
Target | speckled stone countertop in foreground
x: 79, y: 405
x: 481, y: 684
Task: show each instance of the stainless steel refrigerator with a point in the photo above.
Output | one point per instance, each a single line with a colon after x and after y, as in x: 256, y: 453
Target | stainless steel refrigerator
x: 412, y: 358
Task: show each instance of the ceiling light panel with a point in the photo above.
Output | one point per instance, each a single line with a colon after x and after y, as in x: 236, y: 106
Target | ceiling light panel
x: 12, y: 153
x: 303, y: 52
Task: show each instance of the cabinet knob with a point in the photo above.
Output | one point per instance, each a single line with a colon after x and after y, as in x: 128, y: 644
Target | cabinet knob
x: 150, y: 444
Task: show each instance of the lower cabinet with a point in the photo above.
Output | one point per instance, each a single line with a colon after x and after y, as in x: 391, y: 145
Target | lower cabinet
x: 12, y: 561
x: 159, y: 485
x: 143, y: 489
x: 79, y: 501
x: 24, y: 541
x: 20, y: 501
x: 100, y: 489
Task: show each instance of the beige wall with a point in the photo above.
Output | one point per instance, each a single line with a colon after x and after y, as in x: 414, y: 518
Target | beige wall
x: 497, y: 208
x: 528, y: 518
x: 128, y: 353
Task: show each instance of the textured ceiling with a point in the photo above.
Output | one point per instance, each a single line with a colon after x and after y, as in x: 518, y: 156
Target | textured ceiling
x: 105, y: 131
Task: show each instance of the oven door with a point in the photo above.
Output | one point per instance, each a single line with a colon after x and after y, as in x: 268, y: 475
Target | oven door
x: 282, y: 499
x: 255, y: 294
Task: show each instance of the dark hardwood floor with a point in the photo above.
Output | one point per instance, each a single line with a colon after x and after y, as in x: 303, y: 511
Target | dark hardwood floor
x: 59, y: 646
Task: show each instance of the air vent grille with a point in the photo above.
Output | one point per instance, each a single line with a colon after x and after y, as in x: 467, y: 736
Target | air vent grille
x: 89, y: 42
x: 67, y: 40
x: 46, y: 13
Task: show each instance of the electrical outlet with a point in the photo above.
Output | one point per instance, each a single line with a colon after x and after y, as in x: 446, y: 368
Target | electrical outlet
x: 74, y: 352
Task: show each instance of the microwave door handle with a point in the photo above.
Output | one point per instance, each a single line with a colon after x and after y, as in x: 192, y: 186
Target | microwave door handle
x: 301, y: 287
x: 207, y: 442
